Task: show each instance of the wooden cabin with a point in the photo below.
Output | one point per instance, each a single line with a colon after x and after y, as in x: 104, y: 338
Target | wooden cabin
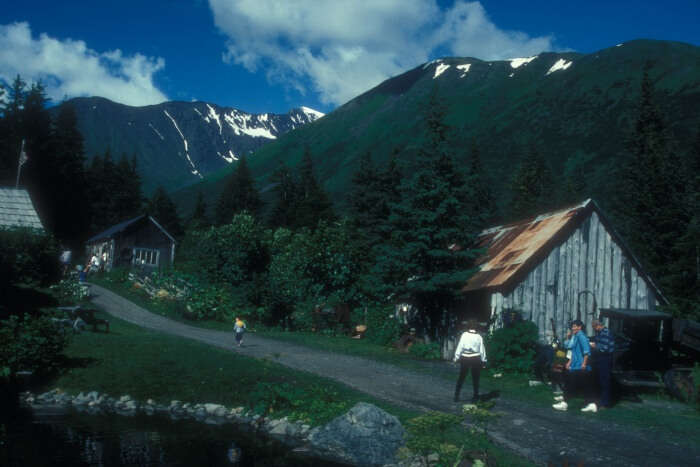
x: 554, y: 268
x: 139, y: 242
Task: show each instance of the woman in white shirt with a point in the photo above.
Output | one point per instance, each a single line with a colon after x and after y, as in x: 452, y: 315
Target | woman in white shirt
x: 471, y: 354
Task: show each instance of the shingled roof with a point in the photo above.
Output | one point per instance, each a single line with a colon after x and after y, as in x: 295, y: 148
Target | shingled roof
x: 17, y: 209
x: 122, y: 226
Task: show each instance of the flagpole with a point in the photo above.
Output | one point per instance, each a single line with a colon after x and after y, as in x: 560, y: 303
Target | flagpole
x: 22, y: 160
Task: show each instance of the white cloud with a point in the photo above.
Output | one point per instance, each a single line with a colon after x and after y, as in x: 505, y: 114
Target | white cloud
x: 70, y: 68
x: 345, y: 47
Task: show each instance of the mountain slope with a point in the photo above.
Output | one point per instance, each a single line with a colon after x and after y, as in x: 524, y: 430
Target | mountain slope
x: 577, y: 110
x: 178, y: 143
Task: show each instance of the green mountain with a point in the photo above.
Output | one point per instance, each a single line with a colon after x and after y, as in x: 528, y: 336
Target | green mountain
x: 577, y: 110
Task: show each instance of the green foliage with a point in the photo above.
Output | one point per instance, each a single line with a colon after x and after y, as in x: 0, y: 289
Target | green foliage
x: 382, y: 327
x: 313, y: 404
x: 209, y: 302
x: 31, y: 343
x: 163, y: 210
x: 512, y: 348
x: 428, y: 431
x: 232, y: 254
x: 433, y: 214
x: 532, y: 186
x: 69, y: 292
x: 239, y: 195
x: 27, y: 256
x: 431, y: 351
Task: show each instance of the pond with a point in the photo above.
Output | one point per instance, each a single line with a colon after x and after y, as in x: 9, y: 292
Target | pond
x: 53, y: 436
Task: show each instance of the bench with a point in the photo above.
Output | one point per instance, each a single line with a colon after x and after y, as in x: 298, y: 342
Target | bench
x: 84, y: 316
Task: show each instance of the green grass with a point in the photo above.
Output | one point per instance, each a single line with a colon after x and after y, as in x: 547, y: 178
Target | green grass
x: 146, y: 364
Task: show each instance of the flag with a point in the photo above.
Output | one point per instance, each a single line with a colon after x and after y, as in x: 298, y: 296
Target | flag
x: 22, y: 156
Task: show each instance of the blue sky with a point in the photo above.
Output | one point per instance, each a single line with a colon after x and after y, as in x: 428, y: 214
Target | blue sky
x: 273, y: 55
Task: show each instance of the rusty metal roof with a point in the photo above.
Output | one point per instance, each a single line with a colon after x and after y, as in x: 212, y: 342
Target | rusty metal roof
x: 512, y: 249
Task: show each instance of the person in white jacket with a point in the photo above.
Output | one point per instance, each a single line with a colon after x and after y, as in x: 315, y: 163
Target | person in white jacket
x: 471, y: 354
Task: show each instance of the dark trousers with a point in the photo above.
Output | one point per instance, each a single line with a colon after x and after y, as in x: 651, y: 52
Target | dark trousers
x: 602, y: 365
x: 579, y: 383
x: 466, y: 363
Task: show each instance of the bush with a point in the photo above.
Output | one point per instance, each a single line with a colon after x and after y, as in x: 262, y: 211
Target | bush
x: 429, y: 351
x: 313, y: 405
x: 211, y: 302
x: 428, y: 431
x: 382, y: 327
x: 69, y: 292
x: 28, y: 256
x: 513, y: 348
x: 31, y: 343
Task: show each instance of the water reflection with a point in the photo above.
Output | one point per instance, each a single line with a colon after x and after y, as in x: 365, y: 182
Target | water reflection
x: 65, y: 437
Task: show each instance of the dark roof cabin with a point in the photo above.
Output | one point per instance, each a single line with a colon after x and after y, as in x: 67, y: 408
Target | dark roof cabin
x: 17, y: 210
x: 557, y: 267
x: 140, y: 241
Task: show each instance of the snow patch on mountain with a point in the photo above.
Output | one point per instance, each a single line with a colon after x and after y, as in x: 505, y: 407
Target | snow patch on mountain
x: 464, y: 69
x: 311, y: 113
x: 157, y: 132
x: 440, y: 69
x: 194, y: 170
x: 214, y: 116
x: 518, y: 62
x: 560, y: 64
x: 241, y: 123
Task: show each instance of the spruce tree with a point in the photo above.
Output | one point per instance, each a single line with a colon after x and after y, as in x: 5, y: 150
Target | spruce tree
x: 285, y: 189
x: 313, y: 203
x: 239, y: 195
x: 199, y: 218
x: 650, y: 204
x: 163, y: 210
x: 483, y: 202
x: 532, y: 186
x: 429, y: 256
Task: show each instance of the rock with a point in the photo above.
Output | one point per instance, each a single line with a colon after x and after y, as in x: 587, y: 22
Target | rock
x: 124, y: 399
x: 212, y: 409
x: 433, y: 458
x: 365, y: 435
x: 93, y: 395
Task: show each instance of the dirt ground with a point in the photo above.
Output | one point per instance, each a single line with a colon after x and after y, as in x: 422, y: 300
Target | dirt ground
x: 542, y: 435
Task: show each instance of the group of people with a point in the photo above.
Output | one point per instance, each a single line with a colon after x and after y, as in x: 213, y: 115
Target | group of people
x: 589, y: 358
x: 585, y: 356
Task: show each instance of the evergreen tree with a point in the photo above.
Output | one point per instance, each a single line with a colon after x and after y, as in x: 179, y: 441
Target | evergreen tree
x: 651, y: 201
x: 312, y: 201
x: 163, y: 210
x: 286, y: 194
x: 429, y: 256
x: 127, y: 199
x: 481, y: 188
x: 239, y: 195
x: 199, y: 219
x: 532, y: 186
x: 69, y: 200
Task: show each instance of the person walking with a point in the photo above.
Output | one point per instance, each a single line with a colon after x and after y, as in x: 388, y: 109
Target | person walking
x: 471, y: 354
x: 603, y: 345
x: 578, y: 370
x: 239, y: 329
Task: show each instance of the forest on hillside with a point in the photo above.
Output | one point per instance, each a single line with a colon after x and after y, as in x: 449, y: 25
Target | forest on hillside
x: 276, y: 258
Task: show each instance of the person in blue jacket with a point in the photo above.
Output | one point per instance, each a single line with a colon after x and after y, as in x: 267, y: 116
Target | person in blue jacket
x: 578, y: 370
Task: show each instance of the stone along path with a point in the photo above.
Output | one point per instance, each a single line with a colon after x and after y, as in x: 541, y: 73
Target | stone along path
x: 540, y: 434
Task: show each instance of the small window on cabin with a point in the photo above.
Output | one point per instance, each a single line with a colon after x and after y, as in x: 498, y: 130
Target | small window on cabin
x: 145, y: 256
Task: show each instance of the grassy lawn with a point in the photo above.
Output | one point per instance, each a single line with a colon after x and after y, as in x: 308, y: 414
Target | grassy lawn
x: 684, y: 420
x: 147, y: 364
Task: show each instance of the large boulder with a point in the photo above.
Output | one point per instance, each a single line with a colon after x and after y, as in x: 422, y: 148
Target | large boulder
x: 365, y: 435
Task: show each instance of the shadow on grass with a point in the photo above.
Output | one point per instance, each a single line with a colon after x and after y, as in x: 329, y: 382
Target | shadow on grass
x: 71, y: 363
x: 490, y: 396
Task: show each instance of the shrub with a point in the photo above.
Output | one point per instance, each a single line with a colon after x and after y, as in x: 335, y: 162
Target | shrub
x: 382, y: 327
x: 69, y: 292
x: 429, y: 351
x: 30, y: 343
x: 209, y: 302
x: 28, y: 256
x: 314, y: 405
x: 428, y: 431
x: 513, y: 348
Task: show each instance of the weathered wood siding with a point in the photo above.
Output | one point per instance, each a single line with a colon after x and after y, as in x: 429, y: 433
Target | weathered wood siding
x: 589, y: 259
